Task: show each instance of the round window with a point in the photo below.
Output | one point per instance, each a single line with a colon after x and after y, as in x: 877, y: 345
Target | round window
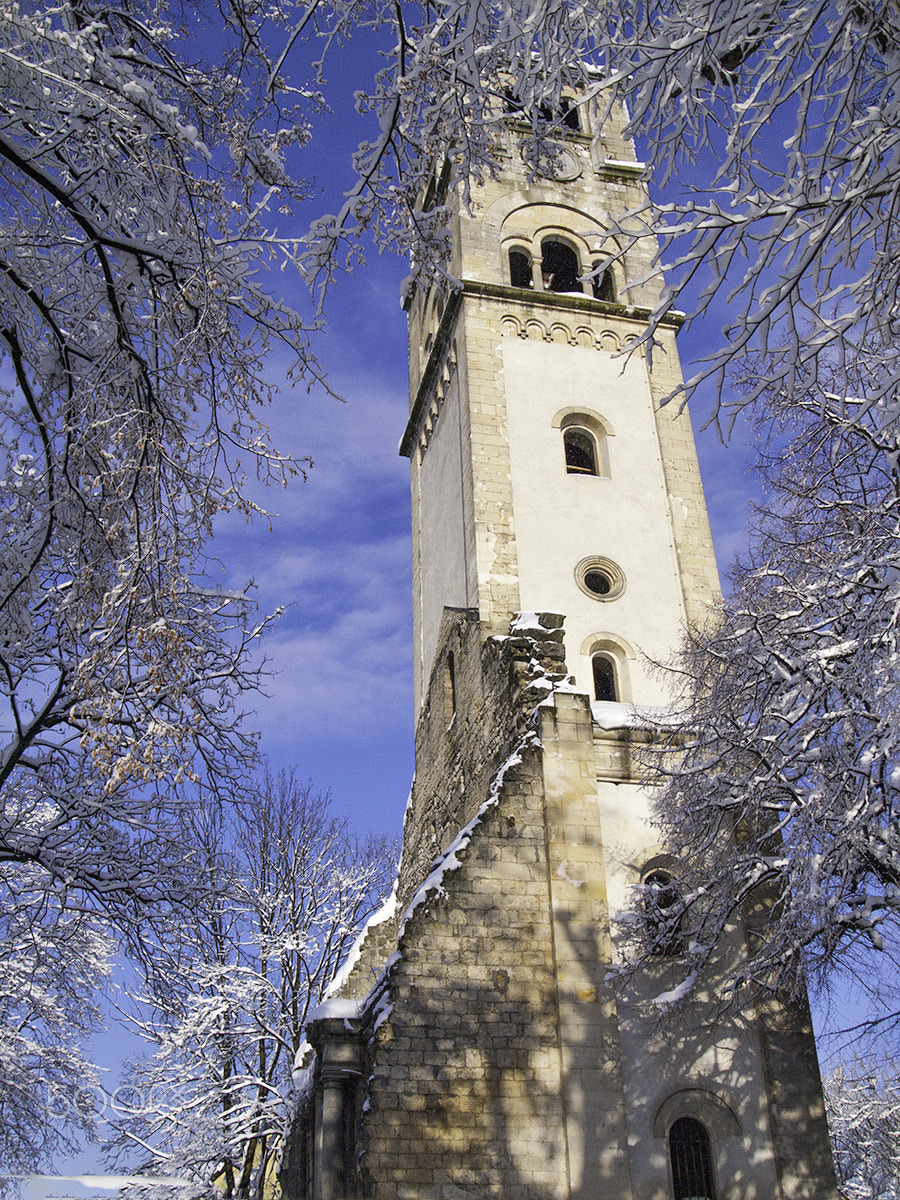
x: 598, y: 582
x: 600, y: 578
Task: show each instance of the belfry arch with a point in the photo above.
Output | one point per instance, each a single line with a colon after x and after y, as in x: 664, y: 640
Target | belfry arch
x: 554, y: 248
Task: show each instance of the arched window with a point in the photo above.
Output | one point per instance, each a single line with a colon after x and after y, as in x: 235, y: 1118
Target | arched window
x: 566, y: 114
x: 585, y: 437
x: 690, y: 1153
x: 604, y: 285
x: 581, y: 451
x: 663, y: 937
x: 559, y: 267
x: 604, y: 677
x: 607, y: 653
x: 520, y: 269
x: 570, y: 114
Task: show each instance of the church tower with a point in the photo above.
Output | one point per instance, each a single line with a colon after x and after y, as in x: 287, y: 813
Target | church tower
x: 545, y: 476
x: 474, y: 1045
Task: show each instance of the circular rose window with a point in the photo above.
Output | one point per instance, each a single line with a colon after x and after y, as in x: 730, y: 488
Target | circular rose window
x: 600, y: 578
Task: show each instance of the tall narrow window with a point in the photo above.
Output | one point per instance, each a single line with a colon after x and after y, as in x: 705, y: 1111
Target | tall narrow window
x: 604, y: 677
x: 581, y: 452
x: 450, y: 690
x: 691, y: 1156
x: 604, y: 285
x: 520, y: 269
x: 559, y: 267
x: 660, y: 897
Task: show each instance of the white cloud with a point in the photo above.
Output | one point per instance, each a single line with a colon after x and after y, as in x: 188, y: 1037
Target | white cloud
x: 345, y: 646
x: 338, y: 556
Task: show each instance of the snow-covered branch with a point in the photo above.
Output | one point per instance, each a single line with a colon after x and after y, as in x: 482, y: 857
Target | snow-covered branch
x: 770, y: 132
x: 131, y: 355
x: 863, y: 1104
x: 233, y: 988
x: 783, y: 777
x: 51, y: 961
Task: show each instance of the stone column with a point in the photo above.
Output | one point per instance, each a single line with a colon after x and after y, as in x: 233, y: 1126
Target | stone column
x: 338, y: 1051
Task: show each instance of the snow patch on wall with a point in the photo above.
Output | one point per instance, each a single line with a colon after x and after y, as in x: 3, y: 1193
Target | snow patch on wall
x: 382, y: 1010
x: 525, y: 623
x: 677, y: 994
x: 563, y: 872
x: 302, y: 1072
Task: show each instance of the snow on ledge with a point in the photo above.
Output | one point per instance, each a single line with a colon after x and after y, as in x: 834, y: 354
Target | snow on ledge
x: 567, y: 685
x: 335, y: 1009
x: 610, y: 714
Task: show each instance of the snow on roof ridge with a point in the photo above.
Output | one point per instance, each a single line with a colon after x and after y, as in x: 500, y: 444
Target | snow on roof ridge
x: 384, y: 913
x: 448, y: 861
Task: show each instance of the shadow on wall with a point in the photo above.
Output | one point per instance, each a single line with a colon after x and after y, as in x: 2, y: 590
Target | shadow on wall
x: 478, y: 1075
x: 492, y: 1059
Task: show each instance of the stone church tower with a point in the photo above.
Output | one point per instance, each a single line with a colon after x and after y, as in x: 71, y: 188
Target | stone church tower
x: 474, y: 1047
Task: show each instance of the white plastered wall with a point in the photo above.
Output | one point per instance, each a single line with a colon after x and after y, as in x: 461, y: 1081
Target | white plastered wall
x: 717, y: 1054
x: 442, y: 538
x: 562, y: 518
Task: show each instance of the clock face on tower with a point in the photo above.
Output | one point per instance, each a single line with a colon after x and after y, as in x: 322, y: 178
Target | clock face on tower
x: 565, y: 165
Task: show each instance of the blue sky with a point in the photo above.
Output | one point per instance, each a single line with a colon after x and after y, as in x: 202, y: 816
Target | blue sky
x: 337, y: 554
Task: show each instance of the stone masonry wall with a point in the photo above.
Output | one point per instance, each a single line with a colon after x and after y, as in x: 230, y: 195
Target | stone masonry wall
x: 498, y: 684
x: 482, y: 1058
x: 690, y: 519
x: 458, y: 753
x: 464, y: 1092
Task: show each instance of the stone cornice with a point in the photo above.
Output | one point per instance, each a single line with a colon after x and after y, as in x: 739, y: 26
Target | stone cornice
x: 541, y: 302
